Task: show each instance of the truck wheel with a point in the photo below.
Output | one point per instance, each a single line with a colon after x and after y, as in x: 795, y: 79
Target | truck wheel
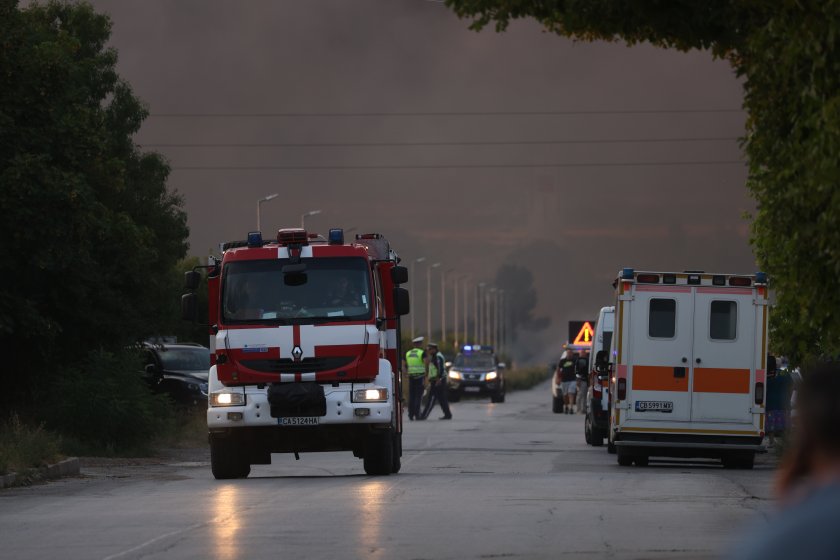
x: 625, y: 459
x: 379, y: 453
x: 556, y: 404
x: 396, y: 461
x: 594, y: 437
x: 227, y: 459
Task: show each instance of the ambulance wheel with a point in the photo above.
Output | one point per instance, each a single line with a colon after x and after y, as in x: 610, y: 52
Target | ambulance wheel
x: 227, y: 460
x: 739, y: 460
x: 396, y: 461
x: 379, y: 453
x: 556, y: 404
x: 625, y: 459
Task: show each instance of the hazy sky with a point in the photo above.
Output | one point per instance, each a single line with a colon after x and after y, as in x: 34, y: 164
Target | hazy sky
x: 474, y: 149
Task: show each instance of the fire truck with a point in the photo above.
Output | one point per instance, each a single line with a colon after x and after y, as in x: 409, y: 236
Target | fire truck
x: 304, y: 339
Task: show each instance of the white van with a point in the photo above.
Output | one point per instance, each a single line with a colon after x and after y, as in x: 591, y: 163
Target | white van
x: 688, y: 378
x: 596, y: 424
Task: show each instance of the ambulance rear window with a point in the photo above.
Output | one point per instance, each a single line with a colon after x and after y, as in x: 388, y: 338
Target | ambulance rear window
x: 662, y: 320
x: 723, y: 320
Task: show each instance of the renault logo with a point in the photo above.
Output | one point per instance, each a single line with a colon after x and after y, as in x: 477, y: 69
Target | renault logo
x: 297, y: 353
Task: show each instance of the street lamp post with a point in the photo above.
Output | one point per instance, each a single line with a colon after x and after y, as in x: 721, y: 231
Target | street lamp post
x: 259, y: 204
x: 306, y: 215
x: 491, y: 313
x: 411, y: 288
x: 466, y: 311
x: 443, y: 304
x: 429, y: 299
x: 479, y: 313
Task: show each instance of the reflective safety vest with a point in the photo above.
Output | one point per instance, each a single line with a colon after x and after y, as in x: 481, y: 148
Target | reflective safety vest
x: 434, y: 363
x: 414, y: 361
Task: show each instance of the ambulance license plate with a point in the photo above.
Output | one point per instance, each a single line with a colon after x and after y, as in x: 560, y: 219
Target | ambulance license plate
x: 654, y: 406
x: 298, y: 421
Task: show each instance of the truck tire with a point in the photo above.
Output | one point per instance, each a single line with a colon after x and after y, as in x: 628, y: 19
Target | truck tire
x: 379, y: 453
x: 556, y: 404
x: 227, y: 459
x: 594, y: 437
x: 396, y: 461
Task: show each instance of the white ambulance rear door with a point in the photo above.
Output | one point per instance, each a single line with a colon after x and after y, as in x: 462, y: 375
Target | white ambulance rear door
x: 659, y: 353
x: 724, y: 354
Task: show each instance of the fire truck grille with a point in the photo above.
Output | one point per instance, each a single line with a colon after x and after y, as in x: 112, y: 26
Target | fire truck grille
x: 306, y: 365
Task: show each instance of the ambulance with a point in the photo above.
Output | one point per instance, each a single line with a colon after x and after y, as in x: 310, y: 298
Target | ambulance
x: 596, y: 423
x: 689, y: 355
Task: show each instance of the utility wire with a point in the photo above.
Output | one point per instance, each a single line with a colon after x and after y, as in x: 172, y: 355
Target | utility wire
x: 447, y: 113
x: 432, y: 144
x: 446, y: 166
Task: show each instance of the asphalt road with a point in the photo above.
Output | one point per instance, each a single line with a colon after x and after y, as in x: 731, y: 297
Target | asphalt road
x: 508, y: 480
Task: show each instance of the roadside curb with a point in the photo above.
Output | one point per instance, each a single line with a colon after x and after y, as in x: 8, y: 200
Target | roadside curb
x: 67, y: 467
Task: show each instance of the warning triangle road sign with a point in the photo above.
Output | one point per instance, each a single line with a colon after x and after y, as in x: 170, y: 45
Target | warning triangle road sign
x: 584, y: 337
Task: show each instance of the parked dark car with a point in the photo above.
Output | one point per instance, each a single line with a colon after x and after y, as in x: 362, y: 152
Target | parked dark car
x: 476, y: 371
x: 178, y: 370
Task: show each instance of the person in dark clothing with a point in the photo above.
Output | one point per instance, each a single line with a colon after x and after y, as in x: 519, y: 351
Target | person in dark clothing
x: 415, y: 365
x: 437, y: 380
x: 568, y: 381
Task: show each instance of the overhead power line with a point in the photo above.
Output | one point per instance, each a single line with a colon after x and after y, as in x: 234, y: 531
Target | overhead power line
x: 430, y: 144
x: 446, y: 113
x: 446, y: 166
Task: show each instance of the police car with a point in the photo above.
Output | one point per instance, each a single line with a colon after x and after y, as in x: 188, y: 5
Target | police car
x: 476, y: 371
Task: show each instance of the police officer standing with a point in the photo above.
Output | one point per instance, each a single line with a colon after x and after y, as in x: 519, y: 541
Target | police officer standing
x: 437, y: 379
x: 416, y: 365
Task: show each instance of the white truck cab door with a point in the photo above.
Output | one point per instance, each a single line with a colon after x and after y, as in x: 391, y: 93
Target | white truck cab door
x: 724, y: 355
x: 659, y: 356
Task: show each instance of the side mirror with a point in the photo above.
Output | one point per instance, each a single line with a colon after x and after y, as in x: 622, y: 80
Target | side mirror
x: 401, y: 303
x: 191, y: 280
x: 771, y: 364
x: 399, y: 275
x: 189, y: 307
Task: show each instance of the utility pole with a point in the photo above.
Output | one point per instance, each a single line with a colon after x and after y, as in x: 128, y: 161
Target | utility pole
x: 411, y: 295
x: 443, y: 274
x: 429, y: 300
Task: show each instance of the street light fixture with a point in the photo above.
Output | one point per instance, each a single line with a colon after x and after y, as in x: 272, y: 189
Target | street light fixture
x: 259, y: 204
x: 411, y: 289
x: 306, y: 215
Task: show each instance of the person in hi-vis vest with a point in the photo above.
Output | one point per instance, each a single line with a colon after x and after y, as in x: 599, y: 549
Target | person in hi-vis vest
x: 416, y: 365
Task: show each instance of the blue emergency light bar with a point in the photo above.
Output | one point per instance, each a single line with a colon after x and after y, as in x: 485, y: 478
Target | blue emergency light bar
x: 336, y: 236
x: 255, y: 239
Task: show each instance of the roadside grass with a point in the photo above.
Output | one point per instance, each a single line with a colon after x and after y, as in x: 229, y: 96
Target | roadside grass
x: 24, y: 446
x: 188, y: 430
x: 519, y: 379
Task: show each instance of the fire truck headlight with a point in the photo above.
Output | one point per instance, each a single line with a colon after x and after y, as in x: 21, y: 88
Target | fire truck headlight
x: 376, y: 394
x: 491, y: 376
x: 227, y: 398
x: 455, y: 375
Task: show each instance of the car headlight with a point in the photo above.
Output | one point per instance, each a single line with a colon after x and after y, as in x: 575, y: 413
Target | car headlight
x: 491, y: 376
x: 455, y: 375
x: 375, y: 394
x: 227, y: 398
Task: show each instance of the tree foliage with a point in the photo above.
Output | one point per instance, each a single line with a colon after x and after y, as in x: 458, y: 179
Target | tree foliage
x: 90, y: 233
x: 789, y: 56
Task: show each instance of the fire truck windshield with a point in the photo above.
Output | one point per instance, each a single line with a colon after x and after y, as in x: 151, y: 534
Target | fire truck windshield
x: 330, y: 289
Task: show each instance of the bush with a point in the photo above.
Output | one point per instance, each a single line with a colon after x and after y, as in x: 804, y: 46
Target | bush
x: 23, y: 446
x: 105, y: 405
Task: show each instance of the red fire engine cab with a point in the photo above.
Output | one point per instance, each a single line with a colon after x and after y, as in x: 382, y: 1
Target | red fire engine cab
x: 304, y: 335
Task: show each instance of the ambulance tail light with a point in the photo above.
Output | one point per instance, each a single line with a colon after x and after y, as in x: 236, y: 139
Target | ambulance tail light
x: 596, y: 391
x: 740, y: 281
x: 648, y: 278
x: 759, y: 393
x: 622, y: 389
x: 292, y: 236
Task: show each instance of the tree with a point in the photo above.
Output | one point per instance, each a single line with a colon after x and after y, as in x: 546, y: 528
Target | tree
x: 789, y: 55
x: 90, y: 233
x: 520, y: 298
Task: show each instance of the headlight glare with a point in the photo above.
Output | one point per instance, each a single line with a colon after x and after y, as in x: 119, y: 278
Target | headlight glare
x: 375, y: 394
x: 491, y: 376
x: 454, y: 375
x: 227, y: 398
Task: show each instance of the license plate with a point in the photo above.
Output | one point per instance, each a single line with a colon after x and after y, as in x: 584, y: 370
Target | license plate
x: 298, y: 421
x: 654, y: 406
x: 472, y: 389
